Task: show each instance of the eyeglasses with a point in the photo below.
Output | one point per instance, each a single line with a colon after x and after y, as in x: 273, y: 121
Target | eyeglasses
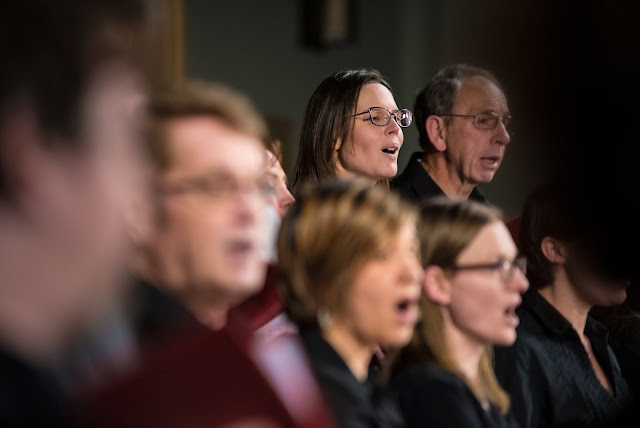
x: 380, y: 116
x: 505, y: 268
x: 487, y: 120
x: 220, y: 187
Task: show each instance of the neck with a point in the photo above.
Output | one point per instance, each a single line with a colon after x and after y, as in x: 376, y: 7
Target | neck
x: 212, y: 311
x: 342, y: 173
x: 563, y: 297
x: 31, y: 327
x: 356, y: 355
x: 447, y: 180
x: 465, y: 350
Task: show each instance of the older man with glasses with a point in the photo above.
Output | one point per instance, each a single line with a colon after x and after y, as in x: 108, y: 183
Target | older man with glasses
x: 462, y: 117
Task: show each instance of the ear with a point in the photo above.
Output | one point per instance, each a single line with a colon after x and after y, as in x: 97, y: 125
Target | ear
x: 553, y: 250
x: 437, y: 132
x: 338, y: 145
x: 436, y: 285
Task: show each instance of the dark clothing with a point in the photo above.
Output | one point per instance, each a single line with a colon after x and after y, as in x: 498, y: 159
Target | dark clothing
x: 355, y: 404
x: 548, y: 374
x: 431, y: 397
x: 416, y: 185
x: 190, y: 376
x: 156, y: 313
x: 29, y: 397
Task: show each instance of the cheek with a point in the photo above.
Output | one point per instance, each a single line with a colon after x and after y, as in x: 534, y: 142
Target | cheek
x: 475, y: 306
x: 367, y: 297
x: 189, y: 226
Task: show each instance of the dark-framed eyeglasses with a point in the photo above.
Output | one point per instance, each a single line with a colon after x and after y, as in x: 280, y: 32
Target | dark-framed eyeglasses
x: 488, y: 120
x: 505, y: 268
x: 380, y: 116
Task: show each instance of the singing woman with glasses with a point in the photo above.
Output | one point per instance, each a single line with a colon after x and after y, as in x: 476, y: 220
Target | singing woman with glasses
x: 352, y: 128
x: 472, y: 285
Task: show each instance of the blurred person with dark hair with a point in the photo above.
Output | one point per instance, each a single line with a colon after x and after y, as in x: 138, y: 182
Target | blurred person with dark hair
x: 472, y: 286
x: 72, y: 168
x: 350, y: 278
x: 561, y: 371
x: 352, y: 128
x: 462, y: 117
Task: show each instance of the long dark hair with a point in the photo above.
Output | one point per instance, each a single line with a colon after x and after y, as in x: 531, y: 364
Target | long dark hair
x: 326, y: 120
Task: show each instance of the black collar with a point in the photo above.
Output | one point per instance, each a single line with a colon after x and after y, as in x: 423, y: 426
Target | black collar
x: 554, y: 321
x: 423, y: 185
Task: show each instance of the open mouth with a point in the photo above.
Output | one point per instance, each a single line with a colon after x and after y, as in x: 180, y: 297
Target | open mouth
x: 240, y: 247
x: 407, y: 310
x: 511, y: 316
x: 390, y: 150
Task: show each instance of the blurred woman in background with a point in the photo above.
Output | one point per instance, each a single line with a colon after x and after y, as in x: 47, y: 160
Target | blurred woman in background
x: 348, y: 259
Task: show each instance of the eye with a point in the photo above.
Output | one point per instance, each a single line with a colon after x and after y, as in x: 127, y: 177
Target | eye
x: 485, y: 120
x: 378, y: 115
x: 267, y: 188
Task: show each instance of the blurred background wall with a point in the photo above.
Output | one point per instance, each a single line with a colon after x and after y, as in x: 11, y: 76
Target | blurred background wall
x: 258, y: 47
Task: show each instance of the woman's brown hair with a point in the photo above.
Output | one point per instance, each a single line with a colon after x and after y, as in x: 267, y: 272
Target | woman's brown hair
x: 329, y: 233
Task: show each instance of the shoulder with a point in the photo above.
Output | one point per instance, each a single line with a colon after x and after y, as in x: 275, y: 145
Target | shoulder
x: 425, y: 382
x: 429, y: 396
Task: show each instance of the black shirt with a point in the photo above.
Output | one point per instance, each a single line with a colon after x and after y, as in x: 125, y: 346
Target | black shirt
x: 30, y: 397
x: 431, y: 397
x: 549, y: 377
x: 354, y: 404
x: 416, y: 185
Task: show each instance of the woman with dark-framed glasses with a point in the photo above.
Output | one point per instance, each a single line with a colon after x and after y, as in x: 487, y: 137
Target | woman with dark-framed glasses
x: 352, y: 128
x: 473, y: 284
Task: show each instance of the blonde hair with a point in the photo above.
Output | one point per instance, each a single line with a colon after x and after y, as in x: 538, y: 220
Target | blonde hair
x: 446, y: 228
x: 334, y: 228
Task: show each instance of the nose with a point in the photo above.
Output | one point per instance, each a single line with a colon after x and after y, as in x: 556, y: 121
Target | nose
x: 285, y: 200
x: 411, y: 270
x: 519, y: 281
x: 393, y: 126
x: 502, y: 135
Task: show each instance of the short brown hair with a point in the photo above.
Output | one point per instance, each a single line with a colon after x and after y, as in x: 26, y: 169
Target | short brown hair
x: 274, y: 145
x: 201, y: 98
x: 328, y: 234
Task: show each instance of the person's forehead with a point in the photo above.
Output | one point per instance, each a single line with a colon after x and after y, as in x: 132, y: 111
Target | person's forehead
x: 493, y: 241
x: 478, y: 94
x: 202, y: 143
x: 375, y: 95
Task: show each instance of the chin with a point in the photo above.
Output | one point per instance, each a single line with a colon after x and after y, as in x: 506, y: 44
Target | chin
x: 399, y: 340
x: 507, y: 339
